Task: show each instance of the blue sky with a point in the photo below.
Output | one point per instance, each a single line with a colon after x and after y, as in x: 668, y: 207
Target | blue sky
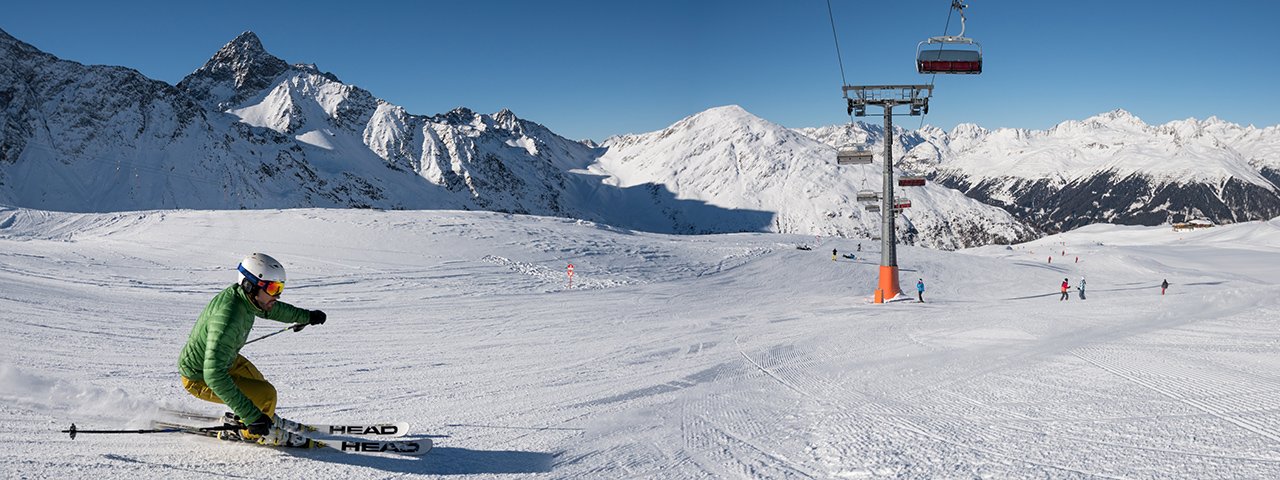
x: 591, y: 69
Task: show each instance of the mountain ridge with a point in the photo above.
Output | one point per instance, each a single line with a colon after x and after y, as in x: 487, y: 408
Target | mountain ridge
x: 249, y: 130
x: 1107, y: 168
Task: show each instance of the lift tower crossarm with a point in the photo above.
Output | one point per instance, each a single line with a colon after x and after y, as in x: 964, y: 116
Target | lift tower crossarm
x: 882, y: 93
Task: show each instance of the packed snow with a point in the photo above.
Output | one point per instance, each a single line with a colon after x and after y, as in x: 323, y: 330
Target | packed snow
x: 721, y: 356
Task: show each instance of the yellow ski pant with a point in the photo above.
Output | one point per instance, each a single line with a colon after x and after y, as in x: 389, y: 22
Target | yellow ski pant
x: 248, y: 378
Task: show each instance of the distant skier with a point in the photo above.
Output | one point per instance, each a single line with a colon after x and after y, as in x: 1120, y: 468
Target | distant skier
x: 833, y: 254
x: 211, y: 365
x: 1065, y: 288
x: 859, y: 246
x: 1080, y: 287
x: 1164, y: 286
x: 920, y: 289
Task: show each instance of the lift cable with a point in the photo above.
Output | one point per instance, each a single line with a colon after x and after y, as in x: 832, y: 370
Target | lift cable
x: 839, y: 58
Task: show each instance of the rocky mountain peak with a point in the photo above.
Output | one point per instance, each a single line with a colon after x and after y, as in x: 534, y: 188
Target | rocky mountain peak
x: 1116, y: 118
x: 968, y: 130
x: 244, y: 56
x: 239, y: 69
x: 506, y: 119
x: 457, y: 116
x: 8, y: 42
x: 247, y: 42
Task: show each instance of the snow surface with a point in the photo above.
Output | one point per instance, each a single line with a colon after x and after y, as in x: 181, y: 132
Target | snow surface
x: 724, y: 356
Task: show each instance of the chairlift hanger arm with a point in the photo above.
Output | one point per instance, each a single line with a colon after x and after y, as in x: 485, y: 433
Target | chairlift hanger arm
x: 959, y: 7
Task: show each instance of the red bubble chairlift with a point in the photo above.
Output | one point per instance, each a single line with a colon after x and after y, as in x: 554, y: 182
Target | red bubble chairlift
x: 950, y: 54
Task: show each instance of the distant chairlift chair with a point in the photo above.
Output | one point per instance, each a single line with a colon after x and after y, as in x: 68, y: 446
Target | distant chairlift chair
x: 854, y: 156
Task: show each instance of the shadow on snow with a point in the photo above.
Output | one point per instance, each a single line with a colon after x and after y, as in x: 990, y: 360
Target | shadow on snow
x: 445, y: 461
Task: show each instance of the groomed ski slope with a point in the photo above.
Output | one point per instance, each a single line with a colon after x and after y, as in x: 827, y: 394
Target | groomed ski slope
x: 725, y: 356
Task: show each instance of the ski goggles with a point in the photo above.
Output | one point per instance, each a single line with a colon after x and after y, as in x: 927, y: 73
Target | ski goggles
x: 272, y: 288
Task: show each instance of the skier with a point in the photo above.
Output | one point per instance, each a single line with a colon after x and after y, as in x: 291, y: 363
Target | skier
x: 920, y: 289
x: 211, y: 365
x: 859, y: 246
x: 1081, y: 288
x: 833, y: 254
x: 1164, y: 286
x: 1065, y: 287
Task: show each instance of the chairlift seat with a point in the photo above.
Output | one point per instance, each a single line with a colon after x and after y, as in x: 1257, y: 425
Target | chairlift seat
x: 860, y: 156
x: 952, y: 55
x: 911, y: 181
x: 868, y: 196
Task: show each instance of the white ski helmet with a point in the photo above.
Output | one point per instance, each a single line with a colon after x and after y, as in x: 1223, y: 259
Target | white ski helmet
x: 259, y: 268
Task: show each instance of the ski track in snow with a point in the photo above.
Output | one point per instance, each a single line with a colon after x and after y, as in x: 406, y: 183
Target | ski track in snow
x: 725, y: 356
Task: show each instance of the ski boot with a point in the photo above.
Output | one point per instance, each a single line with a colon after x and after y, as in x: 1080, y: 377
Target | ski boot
x: 236, y: 435
x: 288, y: 425
x: 279, y: 437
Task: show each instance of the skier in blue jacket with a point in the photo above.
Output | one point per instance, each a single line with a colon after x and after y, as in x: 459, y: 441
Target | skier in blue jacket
x: 920, y: 289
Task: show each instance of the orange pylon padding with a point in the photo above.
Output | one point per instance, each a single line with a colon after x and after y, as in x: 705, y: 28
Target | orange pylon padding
x: 888, y: 288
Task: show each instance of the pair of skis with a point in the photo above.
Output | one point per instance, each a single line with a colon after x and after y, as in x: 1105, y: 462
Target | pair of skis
x: 346, y: 438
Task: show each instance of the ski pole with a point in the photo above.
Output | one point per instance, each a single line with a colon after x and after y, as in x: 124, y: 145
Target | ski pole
x: 296, y: 328
x: 73, y: 430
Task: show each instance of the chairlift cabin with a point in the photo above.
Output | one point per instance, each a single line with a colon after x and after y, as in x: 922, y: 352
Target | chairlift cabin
x: 868, y: 196
x: 950, y: 53
x: 853, y: 156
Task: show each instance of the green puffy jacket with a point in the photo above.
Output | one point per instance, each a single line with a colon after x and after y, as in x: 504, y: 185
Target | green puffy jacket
x: 216, y: 340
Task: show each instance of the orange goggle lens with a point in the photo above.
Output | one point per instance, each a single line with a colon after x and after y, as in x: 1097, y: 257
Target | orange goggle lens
x: 272, y: 288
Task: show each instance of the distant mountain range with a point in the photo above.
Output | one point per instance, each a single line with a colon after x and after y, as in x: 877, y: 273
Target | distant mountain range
x: 1109, y: 168
x: 249, y: 130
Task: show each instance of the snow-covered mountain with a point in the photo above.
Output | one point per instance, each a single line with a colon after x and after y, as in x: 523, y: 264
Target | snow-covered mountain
x: 730, y: 158
x: 1110, y: 167
x: 249, y: 130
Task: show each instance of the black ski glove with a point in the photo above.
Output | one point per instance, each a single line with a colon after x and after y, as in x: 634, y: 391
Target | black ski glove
x: 317, y: 318
x: 261, y: 426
